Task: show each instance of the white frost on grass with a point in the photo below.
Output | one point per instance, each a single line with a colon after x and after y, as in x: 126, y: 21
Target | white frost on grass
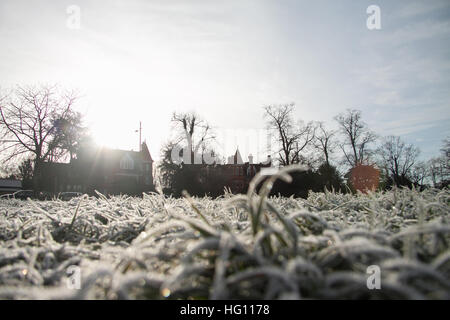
x: 233, y: 247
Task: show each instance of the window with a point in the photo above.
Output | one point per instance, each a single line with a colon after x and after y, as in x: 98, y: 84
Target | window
x: 127, y: 163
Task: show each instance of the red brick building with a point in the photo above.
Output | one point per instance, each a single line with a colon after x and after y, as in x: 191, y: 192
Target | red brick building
x: 237, y: 173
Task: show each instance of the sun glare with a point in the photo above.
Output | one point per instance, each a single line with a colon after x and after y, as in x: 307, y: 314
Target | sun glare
x: 107, y: 135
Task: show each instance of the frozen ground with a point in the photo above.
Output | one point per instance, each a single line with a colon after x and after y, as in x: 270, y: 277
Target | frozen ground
x: 235, y: 247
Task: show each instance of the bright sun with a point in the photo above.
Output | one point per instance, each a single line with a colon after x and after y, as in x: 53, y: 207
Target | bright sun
x: 108, y: 135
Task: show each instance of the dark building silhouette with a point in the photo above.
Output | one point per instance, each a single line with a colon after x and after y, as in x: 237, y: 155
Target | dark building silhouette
x: 108, y: 171
x: 236, y: 173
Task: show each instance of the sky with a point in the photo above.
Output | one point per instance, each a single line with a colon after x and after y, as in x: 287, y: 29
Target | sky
x: 142, y: 60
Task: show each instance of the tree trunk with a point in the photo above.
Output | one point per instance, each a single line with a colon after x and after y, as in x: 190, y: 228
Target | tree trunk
x: 37, y: 175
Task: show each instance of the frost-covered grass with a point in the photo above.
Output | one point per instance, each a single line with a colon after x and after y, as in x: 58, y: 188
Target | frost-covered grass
x: 234, y: 247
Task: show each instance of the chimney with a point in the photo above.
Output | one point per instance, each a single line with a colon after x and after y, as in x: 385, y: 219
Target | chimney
x: 250, y: 159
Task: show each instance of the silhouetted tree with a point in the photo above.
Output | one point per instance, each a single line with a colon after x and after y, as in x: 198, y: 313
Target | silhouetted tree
x: 439, y: 167
x: 194, y: 133
x: 70, y: 133
x: 399, y: 159
x: 26, y: 173
x: 329, y: 178
x: 168, y: 168
x: 420, y: 173
x: 29, y: 119
x: 446, y: 148
x: 324, y: 142
x: 176, y: 177
x: 294, y: 136
x: 357, y: 137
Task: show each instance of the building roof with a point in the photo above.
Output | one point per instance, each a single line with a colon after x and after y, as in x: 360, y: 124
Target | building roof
x: 146, y: 153
x: 10, y: 183
x: 237, y: 157
x: 108, y: 155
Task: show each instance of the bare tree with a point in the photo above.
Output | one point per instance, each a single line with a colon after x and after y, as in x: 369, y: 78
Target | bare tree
x: 324, y: 142
x: 437, y: 171
x: 357, y: 137
x: 446, y: 147
x: 29, y: 119
x: 445, y: 154
x: 194, y: 131
x: 439, y: 167
x: 294, y: 137
x: 398, y: 158
x: 420, y: 173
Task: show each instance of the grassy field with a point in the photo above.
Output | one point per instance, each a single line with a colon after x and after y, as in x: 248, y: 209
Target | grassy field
x: 235, y: 247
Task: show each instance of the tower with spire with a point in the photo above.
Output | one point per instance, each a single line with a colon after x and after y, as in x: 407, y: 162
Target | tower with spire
x: 236, y: 158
